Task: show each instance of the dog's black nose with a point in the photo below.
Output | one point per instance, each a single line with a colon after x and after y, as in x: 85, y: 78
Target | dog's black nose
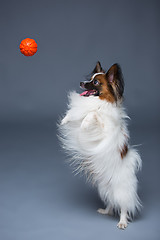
x: 82, y: 84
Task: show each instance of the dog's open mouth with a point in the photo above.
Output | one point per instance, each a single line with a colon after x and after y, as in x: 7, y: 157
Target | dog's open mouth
x: 88, y: 93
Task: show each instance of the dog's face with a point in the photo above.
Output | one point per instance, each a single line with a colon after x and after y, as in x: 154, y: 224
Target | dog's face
x: 107, y: 85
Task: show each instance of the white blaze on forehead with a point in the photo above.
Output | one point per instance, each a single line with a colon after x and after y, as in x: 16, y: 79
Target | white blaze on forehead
x: 94, y: 75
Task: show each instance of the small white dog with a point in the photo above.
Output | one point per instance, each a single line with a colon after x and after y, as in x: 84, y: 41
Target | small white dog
x: 94, y: 132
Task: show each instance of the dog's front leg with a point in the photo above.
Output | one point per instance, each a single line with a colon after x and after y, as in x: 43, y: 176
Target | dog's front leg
x: 90, y: 120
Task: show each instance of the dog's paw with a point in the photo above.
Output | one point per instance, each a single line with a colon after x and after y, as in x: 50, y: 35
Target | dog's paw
x: 85, y: 124
x: 122, y: 225
x: 106, y: 211
x: 65, y: 120
x: 102, y: 211
x: 88, y: 121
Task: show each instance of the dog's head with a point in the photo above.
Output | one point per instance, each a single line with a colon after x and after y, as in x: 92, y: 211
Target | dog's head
x: 107, y: 85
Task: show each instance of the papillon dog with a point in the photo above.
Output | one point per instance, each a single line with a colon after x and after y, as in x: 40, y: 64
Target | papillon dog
x: 94, y: 132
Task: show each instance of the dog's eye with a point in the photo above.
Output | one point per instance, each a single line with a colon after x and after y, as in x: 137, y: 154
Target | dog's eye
x: 96, y: 82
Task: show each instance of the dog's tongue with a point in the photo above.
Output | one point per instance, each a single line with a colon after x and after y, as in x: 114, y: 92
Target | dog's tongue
x: 84, y: 93
x: 87, y: 93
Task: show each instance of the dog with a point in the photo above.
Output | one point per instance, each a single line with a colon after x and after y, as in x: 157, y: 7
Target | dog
x: 94, y: 132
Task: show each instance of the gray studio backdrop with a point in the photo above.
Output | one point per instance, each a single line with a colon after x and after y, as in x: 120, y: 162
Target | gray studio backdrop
x: 39, y: 196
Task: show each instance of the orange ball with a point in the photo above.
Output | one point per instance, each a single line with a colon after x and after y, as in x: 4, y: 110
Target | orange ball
x: 28, y: 47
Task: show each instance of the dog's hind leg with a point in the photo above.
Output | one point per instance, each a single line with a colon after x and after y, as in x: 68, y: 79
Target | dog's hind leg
x: 123, y: 220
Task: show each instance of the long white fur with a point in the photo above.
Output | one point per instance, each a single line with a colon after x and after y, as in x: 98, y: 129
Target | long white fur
x: 94, y: 131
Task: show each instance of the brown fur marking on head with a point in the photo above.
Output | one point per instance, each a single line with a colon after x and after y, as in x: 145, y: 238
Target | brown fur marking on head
x: 105, y: 92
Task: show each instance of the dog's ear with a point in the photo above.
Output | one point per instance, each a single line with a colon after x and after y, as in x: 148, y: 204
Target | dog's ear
x: 98, y: 68
x: 115, y: 78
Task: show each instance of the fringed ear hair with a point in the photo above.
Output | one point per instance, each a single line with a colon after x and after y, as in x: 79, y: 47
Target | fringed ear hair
x: 115, y: 78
